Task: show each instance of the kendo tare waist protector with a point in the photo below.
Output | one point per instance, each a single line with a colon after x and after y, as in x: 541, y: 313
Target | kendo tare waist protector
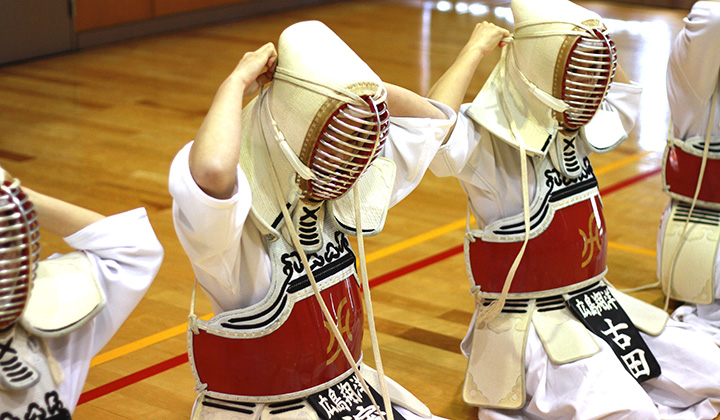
x: 692, y: 264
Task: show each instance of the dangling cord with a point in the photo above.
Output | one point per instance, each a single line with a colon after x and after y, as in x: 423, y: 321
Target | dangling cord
x: 474, y: 288
x: 641, y: 288
x: 546, y: 33
x: 468, y: 234
x: 494, y: 308
x: 289, y: 225
x: 706, y: 151
x: 192, y: 318
x: 321, y: 87
x: 55, y: 370
x: 369, y: 308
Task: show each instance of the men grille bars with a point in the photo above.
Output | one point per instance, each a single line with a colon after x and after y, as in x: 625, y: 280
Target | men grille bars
x: 589, y: 70
x: 350, y: 141
x: 19, y: 251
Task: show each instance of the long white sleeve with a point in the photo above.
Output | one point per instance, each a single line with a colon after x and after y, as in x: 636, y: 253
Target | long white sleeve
x: 693, y: 70
x: 125, y: 255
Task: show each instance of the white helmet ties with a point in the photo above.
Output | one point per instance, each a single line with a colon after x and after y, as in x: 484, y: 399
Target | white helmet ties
x: 328, y: 108
x: 551, y: 79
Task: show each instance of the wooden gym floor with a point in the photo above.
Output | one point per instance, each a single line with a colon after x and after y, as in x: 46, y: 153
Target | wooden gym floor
x: 100, y: 127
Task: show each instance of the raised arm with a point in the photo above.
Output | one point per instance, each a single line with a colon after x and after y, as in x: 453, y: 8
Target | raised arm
x: 451, y: 87
x: 215, y: 152
x: 60, y: 217
x: 405, y: 103
x: 693, y: 66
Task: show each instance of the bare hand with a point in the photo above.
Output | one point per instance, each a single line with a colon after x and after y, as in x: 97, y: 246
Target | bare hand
x: 256, y: 68
x: 485, y: 37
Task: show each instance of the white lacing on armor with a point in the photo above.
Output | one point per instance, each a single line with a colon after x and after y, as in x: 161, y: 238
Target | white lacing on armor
x: 309, y: 220
x: 15, y: 373
x: 200, y: 387
x: 564, y: 155
x: 570, y: 160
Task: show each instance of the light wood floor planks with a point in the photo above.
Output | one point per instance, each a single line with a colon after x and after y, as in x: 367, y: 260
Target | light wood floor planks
x: 100, y: 127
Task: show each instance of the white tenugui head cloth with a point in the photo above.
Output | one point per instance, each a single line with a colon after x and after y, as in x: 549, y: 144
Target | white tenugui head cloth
x: 552, y: 78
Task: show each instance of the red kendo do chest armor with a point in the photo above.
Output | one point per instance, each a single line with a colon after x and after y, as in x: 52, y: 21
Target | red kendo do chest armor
x: 281, y: 345
x: 681, y: 169
x: 567, y: 245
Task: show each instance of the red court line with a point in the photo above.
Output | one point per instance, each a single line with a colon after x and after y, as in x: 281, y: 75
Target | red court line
x: 415, y: 266
x: 622, y: 184
x: 132, y: 378
x: 183, y: 358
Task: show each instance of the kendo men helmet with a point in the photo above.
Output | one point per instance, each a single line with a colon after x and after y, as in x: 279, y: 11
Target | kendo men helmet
x: 552, y: 77
x: 329, y: 110
x: 19, y: 251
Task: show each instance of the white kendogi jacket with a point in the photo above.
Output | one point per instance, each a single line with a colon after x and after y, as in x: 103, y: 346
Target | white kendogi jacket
x: 230, y: 256
x: 123, y: 255
x: 692, y: 78
x: 535, y: 358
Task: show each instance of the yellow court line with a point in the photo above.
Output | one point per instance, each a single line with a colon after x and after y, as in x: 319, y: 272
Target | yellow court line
x: 408, y: 243
x: 633, y: 249
x: 142, y: 343
x: 620, y: 163
x: 180, y: 329
x: 373, y: 256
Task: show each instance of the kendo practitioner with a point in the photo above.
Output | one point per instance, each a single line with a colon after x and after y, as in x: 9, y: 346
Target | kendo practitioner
x: 57, y: 314
x: 689, y: 234
x: 550, y: 337
x: 324, y: 150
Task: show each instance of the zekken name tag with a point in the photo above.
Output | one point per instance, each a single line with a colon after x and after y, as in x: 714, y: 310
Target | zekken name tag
x: 598, y: 310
